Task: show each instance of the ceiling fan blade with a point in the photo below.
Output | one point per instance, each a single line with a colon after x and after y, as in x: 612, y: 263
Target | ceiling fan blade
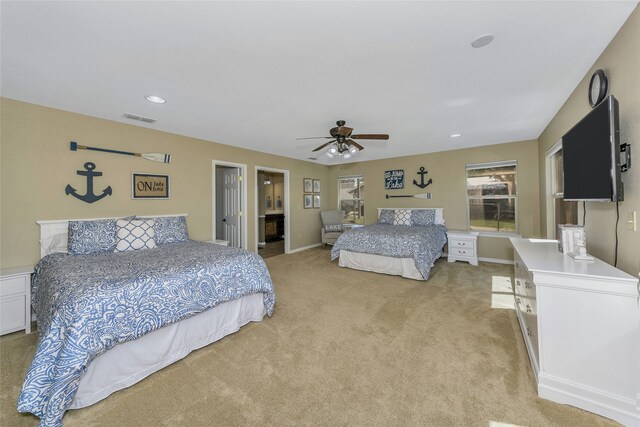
x: 324, y: 145
x: 371, y: 136
x: 315, y: 137
x: 355, y: 144
x: 345, y: 131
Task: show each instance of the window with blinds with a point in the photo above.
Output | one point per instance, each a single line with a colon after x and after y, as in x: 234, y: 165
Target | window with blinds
x: 492, y: 196
x: 351, y: 198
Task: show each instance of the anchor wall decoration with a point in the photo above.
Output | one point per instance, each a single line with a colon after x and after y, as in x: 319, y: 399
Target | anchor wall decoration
x: 88, y: 197
x: 422, y: 173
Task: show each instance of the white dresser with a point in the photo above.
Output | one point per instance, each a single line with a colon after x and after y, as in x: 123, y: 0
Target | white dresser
x: 15, y: 299
x: 581, y: 325
x: 463, y: 246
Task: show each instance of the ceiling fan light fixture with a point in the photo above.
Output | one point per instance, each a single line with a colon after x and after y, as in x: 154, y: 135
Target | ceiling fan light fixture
x: 346, y: 155
x: 353, y: 150
x: 333, y: 150
x: 329, y: 155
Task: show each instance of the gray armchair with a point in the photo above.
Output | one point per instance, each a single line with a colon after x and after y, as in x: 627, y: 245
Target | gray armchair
x: 331, y: 226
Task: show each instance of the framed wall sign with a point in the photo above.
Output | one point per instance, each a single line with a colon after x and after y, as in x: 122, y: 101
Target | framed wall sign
x: 149, y: 186
x: 316, y: 185
x: 316, y: 201
x: 394, y: 179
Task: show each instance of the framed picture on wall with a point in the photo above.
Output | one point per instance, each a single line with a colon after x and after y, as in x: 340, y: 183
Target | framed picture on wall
x: 316, y: 185
x: 316, y: 201
x: 149, y: 186
x: 307, y: 185
x: 308, y: 201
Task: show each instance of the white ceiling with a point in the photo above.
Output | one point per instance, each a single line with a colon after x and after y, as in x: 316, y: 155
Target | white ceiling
x: 261, y: 74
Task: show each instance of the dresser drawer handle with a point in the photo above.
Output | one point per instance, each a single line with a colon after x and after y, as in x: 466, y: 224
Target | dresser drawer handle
x: 518, y: 300
x: 527, y: 284
x: 517, y: 282
x: 528, y: 331
x: 462, y: 243
x: 528, y: 308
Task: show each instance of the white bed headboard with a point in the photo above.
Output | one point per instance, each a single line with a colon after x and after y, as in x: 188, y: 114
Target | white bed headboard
x: 439, y: 213
x: 54, y: 233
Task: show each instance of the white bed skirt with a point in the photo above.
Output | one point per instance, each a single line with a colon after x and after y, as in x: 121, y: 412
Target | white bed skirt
x: 130, y: 362
x: 405, y: 267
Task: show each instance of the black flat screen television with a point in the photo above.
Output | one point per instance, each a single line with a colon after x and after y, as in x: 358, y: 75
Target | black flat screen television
x: 591, y: 158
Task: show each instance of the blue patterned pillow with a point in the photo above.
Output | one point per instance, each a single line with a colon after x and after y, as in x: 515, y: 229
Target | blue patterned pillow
x: 170, y: 229
x: 402, y: 217
x: 386, y: 216
x: 423, y: 217
x: 135, y: 234
x: 87, y: 237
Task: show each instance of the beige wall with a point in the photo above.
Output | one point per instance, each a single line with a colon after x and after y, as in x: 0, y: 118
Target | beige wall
x: 447, y: 169
x: 36, y: 165
x: 621, y: 63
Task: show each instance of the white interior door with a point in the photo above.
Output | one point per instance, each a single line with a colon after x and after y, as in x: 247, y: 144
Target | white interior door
x: 231, y: 206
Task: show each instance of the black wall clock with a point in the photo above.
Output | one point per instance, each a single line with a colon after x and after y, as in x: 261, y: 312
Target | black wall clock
x: 597, y: 88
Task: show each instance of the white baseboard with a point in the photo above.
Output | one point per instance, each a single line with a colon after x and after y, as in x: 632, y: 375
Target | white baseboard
x: 496, y: 260
x: 304, y: 248
x: 484, y: 259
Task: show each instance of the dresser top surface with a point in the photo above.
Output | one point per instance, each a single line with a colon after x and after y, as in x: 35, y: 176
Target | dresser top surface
x: 543, y: 256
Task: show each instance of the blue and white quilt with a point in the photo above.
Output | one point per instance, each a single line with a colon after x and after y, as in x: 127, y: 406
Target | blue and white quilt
x: 89, y: 303
x: 422, y: 243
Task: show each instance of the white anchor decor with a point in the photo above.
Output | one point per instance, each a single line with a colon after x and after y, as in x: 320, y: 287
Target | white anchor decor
x: 89, y: 196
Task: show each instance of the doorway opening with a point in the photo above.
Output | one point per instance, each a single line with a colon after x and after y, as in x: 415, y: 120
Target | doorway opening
x: 229, y: 223
x: 272, y: 201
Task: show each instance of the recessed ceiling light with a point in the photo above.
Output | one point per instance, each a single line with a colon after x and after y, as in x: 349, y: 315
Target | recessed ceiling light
x: 482, y: 41
x: 455, y: 135
x: 155, y: 99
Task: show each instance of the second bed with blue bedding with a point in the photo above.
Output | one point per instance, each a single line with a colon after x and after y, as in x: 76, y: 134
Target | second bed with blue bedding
x: 399, y: 233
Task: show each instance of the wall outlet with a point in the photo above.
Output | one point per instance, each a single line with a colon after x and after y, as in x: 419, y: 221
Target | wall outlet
x: 632, y: 223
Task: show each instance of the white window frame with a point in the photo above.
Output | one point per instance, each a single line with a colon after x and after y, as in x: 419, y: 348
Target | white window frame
x: 340, y: 178
x: 473, y: 166
x: 551, y: 194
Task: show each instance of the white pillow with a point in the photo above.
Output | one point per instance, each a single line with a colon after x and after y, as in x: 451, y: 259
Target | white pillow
x: 55, y: 243
x: 402, y: 217
x: 135, y: 234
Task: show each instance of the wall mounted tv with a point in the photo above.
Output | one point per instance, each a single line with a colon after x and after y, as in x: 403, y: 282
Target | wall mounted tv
x: 591, y: 156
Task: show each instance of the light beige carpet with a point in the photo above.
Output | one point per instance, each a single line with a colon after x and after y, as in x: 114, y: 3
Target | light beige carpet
x: 344, y: 348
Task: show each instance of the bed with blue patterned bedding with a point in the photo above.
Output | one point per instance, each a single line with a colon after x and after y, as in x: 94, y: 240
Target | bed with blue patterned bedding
x: 87, y: 304
x: 422, y: 243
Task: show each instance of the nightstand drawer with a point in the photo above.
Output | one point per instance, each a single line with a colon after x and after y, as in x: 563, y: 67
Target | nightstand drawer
x: 468, y: 244
x: 462, y: 251
x: 13, y: 285
x: 13, y: 314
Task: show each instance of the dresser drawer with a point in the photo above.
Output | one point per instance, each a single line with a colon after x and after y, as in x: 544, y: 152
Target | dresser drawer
x: 13, y: 285
x: 461, y: 244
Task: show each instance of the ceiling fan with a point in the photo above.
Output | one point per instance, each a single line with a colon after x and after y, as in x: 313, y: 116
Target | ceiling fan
x: 342, y: 141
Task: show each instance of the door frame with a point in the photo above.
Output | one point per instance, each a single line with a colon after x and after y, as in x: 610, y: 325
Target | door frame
x: 287, y: 206
x: 242, y: 202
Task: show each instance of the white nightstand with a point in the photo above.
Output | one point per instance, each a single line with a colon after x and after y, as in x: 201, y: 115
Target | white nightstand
x: 218, y: 242
x: 463, y: 246
x: 15, y: 299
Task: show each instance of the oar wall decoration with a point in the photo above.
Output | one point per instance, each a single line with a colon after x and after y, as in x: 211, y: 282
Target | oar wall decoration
x: 155, y: 157
x: 417, y: 196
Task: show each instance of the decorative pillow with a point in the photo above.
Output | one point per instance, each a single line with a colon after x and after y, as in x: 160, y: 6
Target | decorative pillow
x: 170, y: 229
x: 402, y: 217
x: 333, y: 227
x: 135, y: 234
x: 386, y: 216
x: 87, y: 237
x: 423, y: 216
